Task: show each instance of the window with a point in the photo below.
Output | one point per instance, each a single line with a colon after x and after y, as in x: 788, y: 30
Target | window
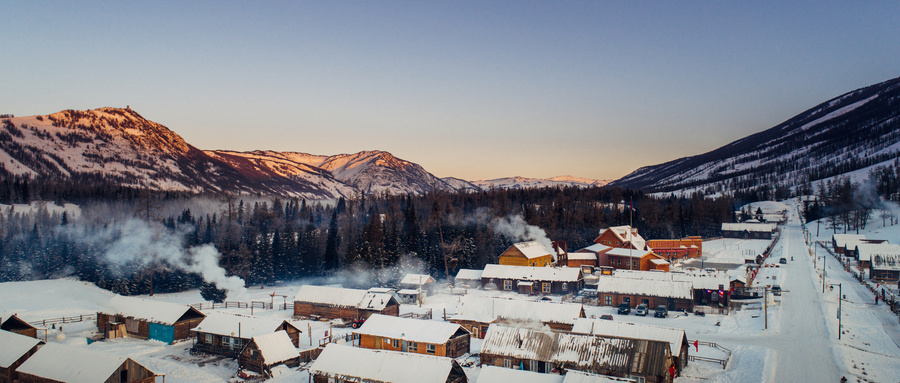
x: 608, y: 300
x: 413, y: 347
x: 131, y: 325
x: 565, y: 286
x: 545, y: 288
x: 634, y: 264
x: 396, y: 343
x: 533, y: 366
x: 208, y: 338
x: 507, y: 285
x: 430, y: 349
x: 226, y: 341
x: 507, y: 363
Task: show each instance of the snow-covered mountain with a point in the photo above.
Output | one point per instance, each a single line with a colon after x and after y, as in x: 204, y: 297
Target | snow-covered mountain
x: 523, y: 182
x: 856, y: 130
x: 119, y: 147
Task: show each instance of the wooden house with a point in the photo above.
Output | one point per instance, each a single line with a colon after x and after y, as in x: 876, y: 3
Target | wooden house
x: 885, y: 263
x: 266, y: 351
x: 493, y: 374
x: 748, y: 230
x: 865, y: 253
x: 675, y: 295
x: 594, y: 256
x: 707, y: 288
x: 347, y: 304
x: 677, y: 340
x: 533, y: 280
x: 55, y: 363
x: 551, y: 351
x: 531, y: 253
x: 18, y: 326
x: 339, y: 363
x: 468, y: 278
x: 381, y: 332
x: 420, y: 282
x: 16, y: 348
x: 477, y: 313
x: 625, y: 237
x: 630, y: 259
x: 839, y: 242
x: 147, y: 319
x: 690, y: 247
x: 227, y: 334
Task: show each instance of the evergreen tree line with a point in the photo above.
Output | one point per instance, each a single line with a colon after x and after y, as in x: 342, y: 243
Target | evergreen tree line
x: 266, y: 240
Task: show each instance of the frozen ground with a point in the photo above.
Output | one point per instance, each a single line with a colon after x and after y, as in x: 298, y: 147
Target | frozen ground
x: 800, y: 343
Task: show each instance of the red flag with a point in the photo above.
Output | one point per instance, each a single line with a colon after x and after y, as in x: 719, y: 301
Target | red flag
x: 697, y: 345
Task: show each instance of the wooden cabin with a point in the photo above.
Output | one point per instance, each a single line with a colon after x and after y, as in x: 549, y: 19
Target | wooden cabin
x: 839, y: 242
x: 625, y: 237
x: 227, y: 334
x: 340, y: 363
x: 18, y: 326
x: 690, y: 247
x: 347, y: 304
x: 748, y: 230
x: 531, y: 253
x: 476, y: 313
x: 468, y: 278
x: 381, y: 332
x: 55, y: 363
x: 533, y: 280
x: 16, y: 348
x: 148, y: 319
x: 676, y: 338
x: 266, y: 351
x: 675, y: 295
x: 553, y: 351
x: 885, y: 265
x: 707, y: 288
x: 493, y: 374
x: 421, y: 282
x: 630, y: 259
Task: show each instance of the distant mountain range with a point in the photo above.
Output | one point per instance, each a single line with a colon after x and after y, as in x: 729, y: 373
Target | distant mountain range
x: 119, y: 146
x: 851, y: 132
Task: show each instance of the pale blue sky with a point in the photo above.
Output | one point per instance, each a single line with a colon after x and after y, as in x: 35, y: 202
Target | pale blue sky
x: 474, y: 90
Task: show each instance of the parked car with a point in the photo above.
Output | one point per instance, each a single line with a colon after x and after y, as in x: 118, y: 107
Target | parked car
x: 642, y: 309
x: 606, y: 317
x: 661, y: 312
x: 782, y: 261
x: 776, y: 290
x: 624, y: 308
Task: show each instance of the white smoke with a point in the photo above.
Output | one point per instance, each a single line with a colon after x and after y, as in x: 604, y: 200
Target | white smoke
x: 515, y: 227
x: 136, y: 244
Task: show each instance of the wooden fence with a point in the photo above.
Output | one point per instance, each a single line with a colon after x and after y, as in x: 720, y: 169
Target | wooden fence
x: 70, y: 319
x: 426, y: 315
x: 223, y: 305
x: 723, y: 362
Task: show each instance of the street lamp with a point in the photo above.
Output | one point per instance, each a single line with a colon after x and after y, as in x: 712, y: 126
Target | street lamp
x: 840, y: 298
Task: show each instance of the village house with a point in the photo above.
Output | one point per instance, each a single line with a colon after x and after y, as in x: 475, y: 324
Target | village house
x: 553, y: 351
x: 421, y: 282
x: 630, y: 259
x: 839, y: 242
x: 16, y: 348
x: 865, y: 251
x: 708, y: 288
x: 674, y: 295
x: 885, y: 263
x: 382, y: 332
x: 266, y: 351
x: 748, y: 230
x: 493, y: 374
x: 340, y: 363
x: 676, y: 338
x: 227, y: 334
x: 625, y: 237
x: 531, y: 253
x: 594, y: 255
x: 533, y: 280
x: 147, y: 319
x: 18, y: 326
x: 348, y: 304
x: 56, y: 362
x: 476, y: 313
x: 468, y: 278
x: 690, y: 247
x: 851, y: 247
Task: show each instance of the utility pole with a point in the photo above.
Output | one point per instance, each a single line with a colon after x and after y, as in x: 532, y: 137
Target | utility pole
x: 766, y: 306
x: 823, y: 272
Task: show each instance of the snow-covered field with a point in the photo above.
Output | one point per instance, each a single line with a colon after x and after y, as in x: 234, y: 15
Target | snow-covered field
x: 796, y: 341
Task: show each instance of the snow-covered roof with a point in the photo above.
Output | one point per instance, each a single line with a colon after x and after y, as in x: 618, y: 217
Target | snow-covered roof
x: 529, y: 273
x: 622, y: 252
x: 886, y: 260
x: 584, y: 351
x: 416, y: 330
x: 582, y: 256
x: 148, y: 310
x: 753, y: 227
x: 469, y: 274
x: 14, y: 346
x: 487, y: 310
x: 657, y: 261
x: 648, y: 287
x: 408, y: 292
x: 841, y: 240
x: 416, y: 279
x: 673, y: 336
x: 494, y: 374
x: 276, y: 347
x: 703, y: 280
x: 238, y: 325
x: 341, y: 297
x: 354, y: 364
x: 629, y: 234
x: 532, y: 249
x: 868, y: 250
x: 575, y: 376
x: 71, y: 364
x: 595, y: 248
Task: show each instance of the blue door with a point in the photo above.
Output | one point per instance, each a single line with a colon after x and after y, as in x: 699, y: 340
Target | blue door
x: 163, y: 333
